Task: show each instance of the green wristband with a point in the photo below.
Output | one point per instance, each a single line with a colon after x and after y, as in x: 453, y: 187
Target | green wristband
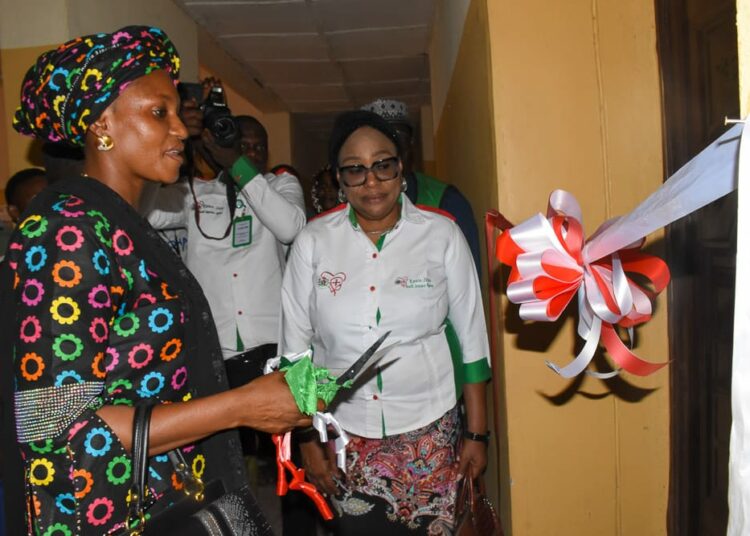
x: 243, y: 171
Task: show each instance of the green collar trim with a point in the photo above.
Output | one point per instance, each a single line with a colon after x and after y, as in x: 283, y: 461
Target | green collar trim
x: 353, y: 217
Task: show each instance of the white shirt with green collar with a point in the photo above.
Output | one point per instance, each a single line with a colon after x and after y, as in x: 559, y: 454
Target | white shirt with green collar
x: 341, y: 292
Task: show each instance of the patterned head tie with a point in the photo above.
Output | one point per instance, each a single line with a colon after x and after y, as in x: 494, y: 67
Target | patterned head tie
x: 69, y: 87
x: 391, y: 110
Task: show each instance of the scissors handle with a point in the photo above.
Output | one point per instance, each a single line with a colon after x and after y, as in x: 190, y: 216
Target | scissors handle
x: 297, y: 483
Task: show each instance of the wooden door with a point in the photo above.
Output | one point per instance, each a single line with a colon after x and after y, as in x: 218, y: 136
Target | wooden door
x: 698, y: 57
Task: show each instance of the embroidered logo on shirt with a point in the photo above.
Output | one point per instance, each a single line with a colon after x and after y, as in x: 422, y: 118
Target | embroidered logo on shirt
x: 408, y: 282
x: 210, y: 209
x: 334, y: 282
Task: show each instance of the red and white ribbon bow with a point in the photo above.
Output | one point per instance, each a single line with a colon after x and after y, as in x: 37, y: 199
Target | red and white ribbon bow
x: 551, y: 263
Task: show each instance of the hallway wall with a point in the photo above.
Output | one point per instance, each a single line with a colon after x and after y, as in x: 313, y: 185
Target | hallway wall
x: 464, y: 151
x: 543, y: 96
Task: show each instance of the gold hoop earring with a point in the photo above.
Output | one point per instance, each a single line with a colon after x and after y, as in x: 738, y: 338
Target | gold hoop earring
x: 105, y: 143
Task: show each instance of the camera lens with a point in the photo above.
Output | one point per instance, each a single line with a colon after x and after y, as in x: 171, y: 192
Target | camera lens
x: 223, y: 127
x: 225, y: 131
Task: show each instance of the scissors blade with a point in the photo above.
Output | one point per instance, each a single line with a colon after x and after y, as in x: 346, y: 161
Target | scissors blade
x: 360, y: 363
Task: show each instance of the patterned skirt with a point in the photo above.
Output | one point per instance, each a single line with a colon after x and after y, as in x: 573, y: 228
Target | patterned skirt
x: 402, y: 484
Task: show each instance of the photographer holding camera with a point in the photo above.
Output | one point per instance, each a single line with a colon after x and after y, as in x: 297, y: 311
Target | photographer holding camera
x: 238, y: 220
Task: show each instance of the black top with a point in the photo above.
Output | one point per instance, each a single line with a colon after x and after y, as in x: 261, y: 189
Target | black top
x: 98, y: 310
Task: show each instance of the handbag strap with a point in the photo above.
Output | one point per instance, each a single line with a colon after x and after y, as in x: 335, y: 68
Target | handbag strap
x: 192, y: 485
x: 135, y: 522
x: 466, y: 494
x: 470, y: 483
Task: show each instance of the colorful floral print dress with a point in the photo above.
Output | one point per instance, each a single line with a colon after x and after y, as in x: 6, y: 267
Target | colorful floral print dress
x: 96, y: 323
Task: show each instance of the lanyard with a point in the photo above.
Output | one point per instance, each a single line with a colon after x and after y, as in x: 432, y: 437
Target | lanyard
x: 231, y: 200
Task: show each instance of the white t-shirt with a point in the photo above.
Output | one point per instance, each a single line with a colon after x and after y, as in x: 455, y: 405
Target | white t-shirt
x: 240, y: 274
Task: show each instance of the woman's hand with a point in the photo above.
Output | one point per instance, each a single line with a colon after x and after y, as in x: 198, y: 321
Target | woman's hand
x: 267, y: 404
x: 472, y: 460
x: 319, y: 465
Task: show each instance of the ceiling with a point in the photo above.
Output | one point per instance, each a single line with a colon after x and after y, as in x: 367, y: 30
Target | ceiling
x: 326, y: 55
x: 320, y: 57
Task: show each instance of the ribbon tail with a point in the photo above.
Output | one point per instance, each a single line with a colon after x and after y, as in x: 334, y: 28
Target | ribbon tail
x: 604, y: 375
x: 340, y: 446
x: 583, y: 359
x: 321, y: 421
x: 611, y: 373
x: 624, y: 357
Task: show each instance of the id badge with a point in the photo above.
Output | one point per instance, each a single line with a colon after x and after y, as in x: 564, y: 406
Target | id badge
x: 242, y: 231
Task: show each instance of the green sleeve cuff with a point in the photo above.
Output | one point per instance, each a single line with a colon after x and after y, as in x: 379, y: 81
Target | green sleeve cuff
x: 243, y: 171
x: 477, y: 371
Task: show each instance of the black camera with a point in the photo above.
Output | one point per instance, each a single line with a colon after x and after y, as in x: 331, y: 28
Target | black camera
x: 217, y: 117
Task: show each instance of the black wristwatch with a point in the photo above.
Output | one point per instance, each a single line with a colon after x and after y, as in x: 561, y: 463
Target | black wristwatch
x: 483, y: 438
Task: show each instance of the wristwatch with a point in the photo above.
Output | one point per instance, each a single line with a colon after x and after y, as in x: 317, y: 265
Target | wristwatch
x: 483, y: 438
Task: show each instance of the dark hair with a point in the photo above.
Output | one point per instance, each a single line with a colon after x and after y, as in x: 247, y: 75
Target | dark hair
x: 252, y: 123
x: 18, y: 179
x: 348, y: 122
x: 326, y: 170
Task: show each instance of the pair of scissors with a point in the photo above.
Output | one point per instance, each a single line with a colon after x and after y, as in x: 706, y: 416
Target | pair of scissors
x: 364, y: 361
x: 282, y: 441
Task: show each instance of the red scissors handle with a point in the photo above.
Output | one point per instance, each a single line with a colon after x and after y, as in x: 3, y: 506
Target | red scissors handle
x: 297, y: 483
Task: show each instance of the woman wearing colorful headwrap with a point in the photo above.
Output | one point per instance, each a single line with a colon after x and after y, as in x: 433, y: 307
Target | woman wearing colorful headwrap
x: 102, y: 316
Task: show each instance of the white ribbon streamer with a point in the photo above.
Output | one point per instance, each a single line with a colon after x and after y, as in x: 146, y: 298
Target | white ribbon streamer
x: 321, y: 422
x: 707, y: 177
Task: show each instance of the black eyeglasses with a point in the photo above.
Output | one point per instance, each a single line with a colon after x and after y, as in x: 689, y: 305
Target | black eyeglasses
x: 356, y: 175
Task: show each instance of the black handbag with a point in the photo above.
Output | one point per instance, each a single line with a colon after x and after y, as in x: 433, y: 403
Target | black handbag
x: 199, y: 509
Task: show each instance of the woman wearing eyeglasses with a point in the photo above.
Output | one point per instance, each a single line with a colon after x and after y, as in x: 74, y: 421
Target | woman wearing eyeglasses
x: 380, y: 264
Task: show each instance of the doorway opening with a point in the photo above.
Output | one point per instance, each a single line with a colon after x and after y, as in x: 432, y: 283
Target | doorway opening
x: 697, y: 42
